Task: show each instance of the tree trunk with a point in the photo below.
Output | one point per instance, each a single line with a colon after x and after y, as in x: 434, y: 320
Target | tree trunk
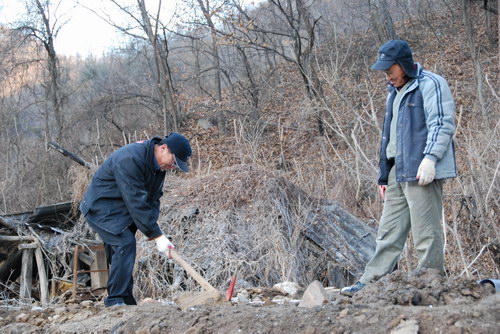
x: 308, y: 69
x: 171, y: 117
x: 221, y: 119
x: 382, y: 20
x: 52, y: 91
x: 476, y: 63
x: 253, y: 90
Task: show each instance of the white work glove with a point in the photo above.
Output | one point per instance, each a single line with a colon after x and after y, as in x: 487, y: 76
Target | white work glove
x: 426, y: 172
x: 163, y: 244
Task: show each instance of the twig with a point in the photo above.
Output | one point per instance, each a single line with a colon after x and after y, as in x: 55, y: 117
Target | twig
x: 473, y: 261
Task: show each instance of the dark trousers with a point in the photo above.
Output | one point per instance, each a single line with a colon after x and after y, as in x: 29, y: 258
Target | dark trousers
x: 120, y: 251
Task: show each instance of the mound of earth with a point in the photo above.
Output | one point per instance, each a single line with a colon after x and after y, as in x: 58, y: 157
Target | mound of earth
x: 424, y: 287
x: 421, y: 302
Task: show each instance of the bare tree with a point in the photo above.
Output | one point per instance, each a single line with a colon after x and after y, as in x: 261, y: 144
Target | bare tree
x: 40, y: 27
x: 382, y: 20
x: 288, y: 29
x: 164, y: 78
x: 155, y: 35
x: 208, y: 12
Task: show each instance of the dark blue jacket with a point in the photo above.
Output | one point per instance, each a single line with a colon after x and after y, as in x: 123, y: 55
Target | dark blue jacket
x: 126, y: 190
x: 425, y: 129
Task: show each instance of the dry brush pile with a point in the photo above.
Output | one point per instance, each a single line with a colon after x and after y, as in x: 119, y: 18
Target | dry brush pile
x: 240, y: 220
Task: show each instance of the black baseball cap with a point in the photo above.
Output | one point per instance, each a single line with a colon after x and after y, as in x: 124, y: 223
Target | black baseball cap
x: 396, y: 51
x: 180, y: 147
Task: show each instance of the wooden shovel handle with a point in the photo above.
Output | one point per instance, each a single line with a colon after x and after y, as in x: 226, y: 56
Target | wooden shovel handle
x: 194, y: 274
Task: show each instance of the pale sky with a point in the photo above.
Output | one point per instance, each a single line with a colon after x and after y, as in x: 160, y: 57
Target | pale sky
x: 84, y: 33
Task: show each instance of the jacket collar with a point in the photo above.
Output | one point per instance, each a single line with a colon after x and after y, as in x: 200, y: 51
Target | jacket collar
x: 151, y: 154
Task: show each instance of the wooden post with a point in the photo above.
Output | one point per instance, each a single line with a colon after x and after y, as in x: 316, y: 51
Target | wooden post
x: 98, y: 267
x: 42, y: 276
x: 75, y: 270
x: 26, y: 276
x: 98, y: 277
x: 27, y: 273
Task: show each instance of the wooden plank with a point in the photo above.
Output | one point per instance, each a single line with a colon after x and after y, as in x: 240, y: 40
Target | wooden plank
x: 42, y: 276
x: 347, y: 239
x: 26, y: 276
x: 85, y: 258
x: 99, y: 277
x: 28, y: 246
x: 15, y: 238
x: 75, y: 270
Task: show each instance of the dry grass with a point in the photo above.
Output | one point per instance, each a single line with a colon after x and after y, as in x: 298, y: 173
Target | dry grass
x: 80, y: 178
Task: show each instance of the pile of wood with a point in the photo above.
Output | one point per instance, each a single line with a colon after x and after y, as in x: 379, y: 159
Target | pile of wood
x: 37, y: 256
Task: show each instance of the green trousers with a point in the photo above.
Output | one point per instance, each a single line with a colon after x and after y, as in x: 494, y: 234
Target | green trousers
x: 408, y: 206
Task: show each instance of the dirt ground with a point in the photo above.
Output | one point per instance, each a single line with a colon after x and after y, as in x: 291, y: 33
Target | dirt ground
x: 421, y: 302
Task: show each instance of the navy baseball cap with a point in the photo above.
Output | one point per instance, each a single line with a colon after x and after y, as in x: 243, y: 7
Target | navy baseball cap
x: 396, y: 51
x: 180, y: 147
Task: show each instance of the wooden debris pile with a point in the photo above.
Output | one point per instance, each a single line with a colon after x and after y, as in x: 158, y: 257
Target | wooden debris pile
x: 36, y: 255
x: 241, y: 220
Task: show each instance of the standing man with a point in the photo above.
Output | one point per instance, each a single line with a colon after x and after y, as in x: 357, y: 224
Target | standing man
x: 416, y: 155
x: 123, y: 197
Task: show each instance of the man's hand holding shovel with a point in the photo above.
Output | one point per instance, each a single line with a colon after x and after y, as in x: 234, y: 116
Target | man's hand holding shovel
x: 164, y: 245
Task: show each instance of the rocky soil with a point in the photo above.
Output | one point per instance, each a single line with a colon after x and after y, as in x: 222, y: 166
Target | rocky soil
x: 421, y: 302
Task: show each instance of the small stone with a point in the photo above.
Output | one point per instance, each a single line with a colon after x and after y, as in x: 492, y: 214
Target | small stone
x: 287, y: 288
x: 476, y: 314
x: 309, y: 330
x: 463, y: 323
x: 87, y: 303
x: 147, y: 301
x: 23, y: 317
x: 155, y: 330
x: 344, y: 313
x: 82, y: 315
x: 360, y: 318
x: 60, y: 310
x: 242, y: 296
x: 466, y: 292
x: 315, y: 295
x: 406, y: 327
x: 62, y: 319
x: 428, y: 299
